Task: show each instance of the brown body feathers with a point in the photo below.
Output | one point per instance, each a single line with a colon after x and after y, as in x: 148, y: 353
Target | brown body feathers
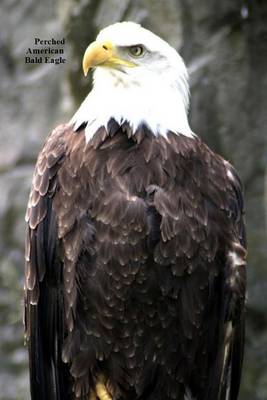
x: 135, y: 268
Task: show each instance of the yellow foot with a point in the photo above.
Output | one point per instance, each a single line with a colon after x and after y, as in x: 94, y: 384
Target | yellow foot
x: 102, y: 390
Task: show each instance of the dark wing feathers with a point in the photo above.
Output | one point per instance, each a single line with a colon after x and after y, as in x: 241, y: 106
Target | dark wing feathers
x: 236, y: 279
x: 44, y: 299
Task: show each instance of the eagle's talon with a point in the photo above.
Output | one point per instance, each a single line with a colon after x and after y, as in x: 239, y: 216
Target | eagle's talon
x: 102, y: 389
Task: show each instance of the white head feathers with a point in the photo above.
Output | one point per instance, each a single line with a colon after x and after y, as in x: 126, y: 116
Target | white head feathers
x: 154, y: 92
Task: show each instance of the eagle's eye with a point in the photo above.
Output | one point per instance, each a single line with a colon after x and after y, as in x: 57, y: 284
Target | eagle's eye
x: 137, y: 50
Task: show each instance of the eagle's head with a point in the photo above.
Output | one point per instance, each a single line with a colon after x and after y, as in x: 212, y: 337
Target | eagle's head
x: 139, y: 78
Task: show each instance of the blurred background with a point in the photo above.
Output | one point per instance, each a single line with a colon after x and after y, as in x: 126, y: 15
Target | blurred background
x: 224, y: 44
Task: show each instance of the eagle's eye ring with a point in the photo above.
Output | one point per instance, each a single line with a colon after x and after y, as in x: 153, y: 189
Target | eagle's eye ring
x: 137, y: 50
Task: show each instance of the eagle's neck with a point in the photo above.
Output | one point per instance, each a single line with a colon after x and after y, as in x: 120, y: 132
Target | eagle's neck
x: 162, y: 107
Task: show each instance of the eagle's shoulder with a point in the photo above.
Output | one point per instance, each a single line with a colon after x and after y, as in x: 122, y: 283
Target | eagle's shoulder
x: 48, y: 162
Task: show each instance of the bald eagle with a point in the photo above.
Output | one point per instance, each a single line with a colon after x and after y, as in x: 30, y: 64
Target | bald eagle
x: 135, y: 250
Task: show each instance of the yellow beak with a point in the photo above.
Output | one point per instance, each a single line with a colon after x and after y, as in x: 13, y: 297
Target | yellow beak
x: 102, y: 54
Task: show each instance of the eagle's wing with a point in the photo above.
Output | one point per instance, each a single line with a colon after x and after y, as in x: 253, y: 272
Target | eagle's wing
x: 235, y: 292
x: 224, y: 381
x: 44, y: 311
